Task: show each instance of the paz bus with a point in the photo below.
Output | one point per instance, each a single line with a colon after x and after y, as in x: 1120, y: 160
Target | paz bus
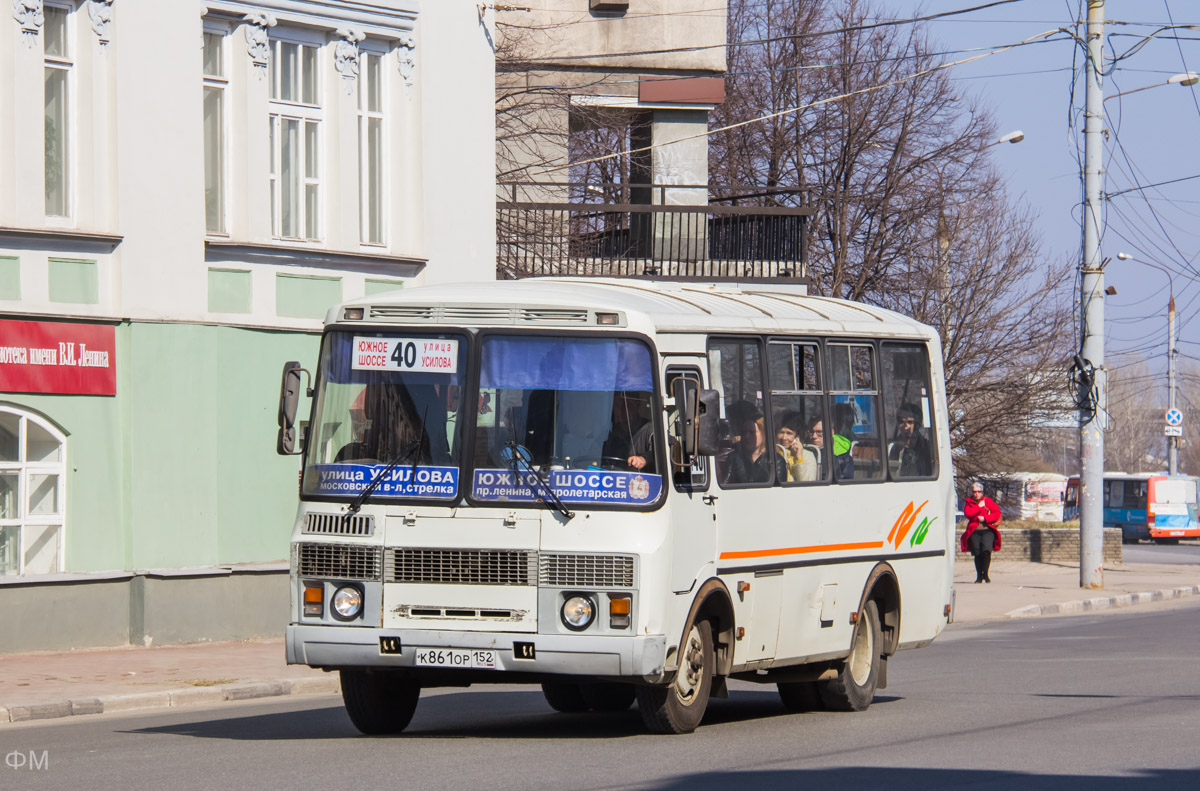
x: 1152, y: 506
x: 619, y: 490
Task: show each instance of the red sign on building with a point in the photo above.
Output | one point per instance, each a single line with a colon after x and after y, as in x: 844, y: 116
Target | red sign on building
x: 55, y: 357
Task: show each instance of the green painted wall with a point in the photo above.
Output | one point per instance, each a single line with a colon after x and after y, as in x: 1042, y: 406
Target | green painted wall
x: 10, y: 277
x: 179, y: 468
x: 74, y: 280
x: 306, y: 296
x: 372, y: 287
x: 229, y: 291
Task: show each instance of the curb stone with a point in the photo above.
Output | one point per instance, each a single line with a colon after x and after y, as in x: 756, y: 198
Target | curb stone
x: 1103, y: 602
x: 185, y: 696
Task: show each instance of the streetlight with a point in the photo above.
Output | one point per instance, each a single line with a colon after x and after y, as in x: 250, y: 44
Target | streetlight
x: 1186, y: 79
x: 1172, y: 441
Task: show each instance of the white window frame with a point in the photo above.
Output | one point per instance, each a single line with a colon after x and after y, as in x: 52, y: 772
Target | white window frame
x: 65, y: 63
x: 303, y: 113
x: 219, y: 83
x: 26, y: 470
x: 365, y: 115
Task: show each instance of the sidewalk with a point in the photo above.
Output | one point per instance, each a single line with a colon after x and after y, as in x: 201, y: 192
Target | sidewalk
x: 49, y: 685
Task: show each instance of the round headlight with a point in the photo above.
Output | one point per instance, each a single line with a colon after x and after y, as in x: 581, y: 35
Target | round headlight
x: 577, y: 613
x: 346, y: 603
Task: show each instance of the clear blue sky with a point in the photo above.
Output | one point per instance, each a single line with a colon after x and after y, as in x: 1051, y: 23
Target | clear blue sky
x: 1152, y: 140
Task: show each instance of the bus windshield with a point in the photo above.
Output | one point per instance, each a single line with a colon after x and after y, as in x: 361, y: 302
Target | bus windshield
x: 387, y: 399
x: 571, y: 413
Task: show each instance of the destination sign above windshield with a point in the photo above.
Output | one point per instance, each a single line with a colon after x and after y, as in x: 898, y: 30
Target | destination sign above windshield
x: 425, y: 355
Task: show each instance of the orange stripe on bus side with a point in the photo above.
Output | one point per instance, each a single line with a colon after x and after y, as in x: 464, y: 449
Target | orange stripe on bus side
x: 767, y: 553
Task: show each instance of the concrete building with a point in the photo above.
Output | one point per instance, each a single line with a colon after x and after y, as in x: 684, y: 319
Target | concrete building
x: 187, y: 187
x: 602, y: 146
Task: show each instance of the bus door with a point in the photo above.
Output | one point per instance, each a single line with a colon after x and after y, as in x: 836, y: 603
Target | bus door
x: 692, y: 501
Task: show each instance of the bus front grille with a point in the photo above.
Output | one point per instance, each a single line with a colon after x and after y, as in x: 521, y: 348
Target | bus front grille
x: 461, y: 566
x: 586, y: 571
x: 339, y: 525
x: 338, y: 561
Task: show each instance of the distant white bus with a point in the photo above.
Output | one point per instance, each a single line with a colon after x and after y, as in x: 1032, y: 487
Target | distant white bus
x: 619, y: 490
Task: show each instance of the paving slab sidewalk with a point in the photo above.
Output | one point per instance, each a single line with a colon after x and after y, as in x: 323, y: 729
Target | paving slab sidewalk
x: 94, y: 681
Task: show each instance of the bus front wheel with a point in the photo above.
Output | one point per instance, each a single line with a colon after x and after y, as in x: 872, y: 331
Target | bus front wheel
x: 679, y: 707
x: 379, y: 703
x: 858, y: 677
x: 565, y: 697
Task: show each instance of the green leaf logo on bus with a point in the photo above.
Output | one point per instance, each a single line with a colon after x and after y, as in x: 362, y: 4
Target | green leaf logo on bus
x: 904, y: 525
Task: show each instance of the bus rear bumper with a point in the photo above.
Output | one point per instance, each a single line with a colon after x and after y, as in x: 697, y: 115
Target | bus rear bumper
x: 338, y: 647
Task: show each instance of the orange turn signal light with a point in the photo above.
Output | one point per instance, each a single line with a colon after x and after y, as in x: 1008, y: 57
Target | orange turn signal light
x: 314, y: 600
x: 619, y: 608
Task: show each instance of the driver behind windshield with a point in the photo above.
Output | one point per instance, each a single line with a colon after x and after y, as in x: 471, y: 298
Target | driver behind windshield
x: 631, y: 438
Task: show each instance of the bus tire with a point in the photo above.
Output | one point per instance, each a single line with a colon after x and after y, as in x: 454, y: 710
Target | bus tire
x: 858, y: 676
x: 565, y: 697
x: 379, y: 703
x: 679, y: 706
x: 609, y: 696
x: 800, y: 696
x: 1166, y: 541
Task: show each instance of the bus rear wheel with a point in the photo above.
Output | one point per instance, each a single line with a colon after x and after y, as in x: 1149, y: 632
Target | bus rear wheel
x: 854, y: 687
x: 679, y: 707
x: 379, y: 703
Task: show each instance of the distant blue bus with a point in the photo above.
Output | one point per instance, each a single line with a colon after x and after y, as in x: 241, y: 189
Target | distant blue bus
x: 1149, y: 506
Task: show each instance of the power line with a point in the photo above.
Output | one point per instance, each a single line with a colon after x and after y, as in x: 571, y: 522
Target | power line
x: 790, y: 37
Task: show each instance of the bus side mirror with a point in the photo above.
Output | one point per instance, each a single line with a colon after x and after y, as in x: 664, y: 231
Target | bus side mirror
x: 289, y: 399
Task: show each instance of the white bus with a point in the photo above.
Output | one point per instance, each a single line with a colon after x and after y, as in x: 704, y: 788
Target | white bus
x: 621, y: 490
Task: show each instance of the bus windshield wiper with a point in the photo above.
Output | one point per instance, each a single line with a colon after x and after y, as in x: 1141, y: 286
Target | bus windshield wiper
x: 552, y: 501
x: 413, y: 449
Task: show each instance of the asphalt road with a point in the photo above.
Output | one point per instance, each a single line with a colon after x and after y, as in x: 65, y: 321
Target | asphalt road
x: 1185, y: 552
x: 1103, y: 701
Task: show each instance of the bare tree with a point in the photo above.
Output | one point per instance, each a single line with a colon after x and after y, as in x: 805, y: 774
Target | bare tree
x: 910, y: 214
x: 1133, y: 441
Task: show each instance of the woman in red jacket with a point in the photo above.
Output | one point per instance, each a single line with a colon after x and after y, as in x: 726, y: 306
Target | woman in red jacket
x: 981, y: 538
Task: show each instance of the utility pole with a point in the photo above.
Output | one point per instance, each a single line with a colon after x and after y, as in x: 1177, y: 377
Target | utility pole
x: 1091, y: 306
x: 1172, y: 441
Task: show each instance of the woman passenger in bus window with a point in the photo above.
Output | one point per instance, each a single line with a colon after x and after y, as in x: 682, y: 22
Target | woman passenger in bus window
x: 801, y: 462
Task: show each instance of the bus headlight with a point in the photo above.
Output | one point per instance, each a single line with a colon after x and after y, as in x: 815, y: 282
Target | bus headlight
x: 346, y: 603
x: 578, y: 613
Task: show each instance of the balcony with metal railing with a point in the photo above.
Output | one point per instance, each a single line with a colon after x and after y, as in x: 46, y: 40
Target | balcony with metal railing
x: 668, y: 232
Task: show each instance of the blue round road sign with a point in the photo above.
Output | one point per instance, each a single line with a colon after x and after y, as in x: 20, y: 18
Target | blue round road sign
x: 1174, y: 417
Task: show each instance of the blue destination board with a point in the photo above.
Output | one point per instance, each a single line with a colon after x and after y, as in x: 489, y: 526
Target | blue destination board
x: 571, y: 486
x: 401, y: 481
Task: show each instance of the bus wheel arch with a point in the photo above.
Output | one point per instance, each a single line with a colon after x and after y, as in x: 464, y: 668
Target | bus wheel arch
x: 713, y: 603
x: 883, y: 588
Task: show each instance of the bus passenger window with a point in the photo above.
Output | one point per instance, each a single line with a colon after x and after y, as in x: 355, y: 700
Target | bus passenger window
x: 854, y: 413
x: 747, y: 456
x: 908, y: 405
x: 797, y: 410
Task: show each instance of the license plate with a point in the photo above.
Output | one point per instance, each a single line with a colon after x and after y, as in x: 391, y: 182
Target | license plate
x: 454, y: 657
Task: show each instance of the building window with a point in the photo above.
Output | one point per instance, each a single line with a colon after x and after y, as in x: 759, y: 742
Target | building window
x: 32, y: 483
x: 295, y: 130
x: 216, y: 81
x: 58, y: 65
x: 370, y: 146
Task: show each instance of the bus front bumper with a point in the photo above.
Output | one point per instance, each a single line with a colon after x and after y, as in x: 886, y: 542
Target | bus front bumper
x: 337, y: 647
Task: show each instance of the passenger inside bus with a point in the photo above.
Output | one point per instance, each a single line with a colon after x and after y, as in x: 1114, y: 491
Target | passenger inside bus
x: 388, y: 425
x: 909, y: 454
x: 801, y: 462
x: 752, y: 457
